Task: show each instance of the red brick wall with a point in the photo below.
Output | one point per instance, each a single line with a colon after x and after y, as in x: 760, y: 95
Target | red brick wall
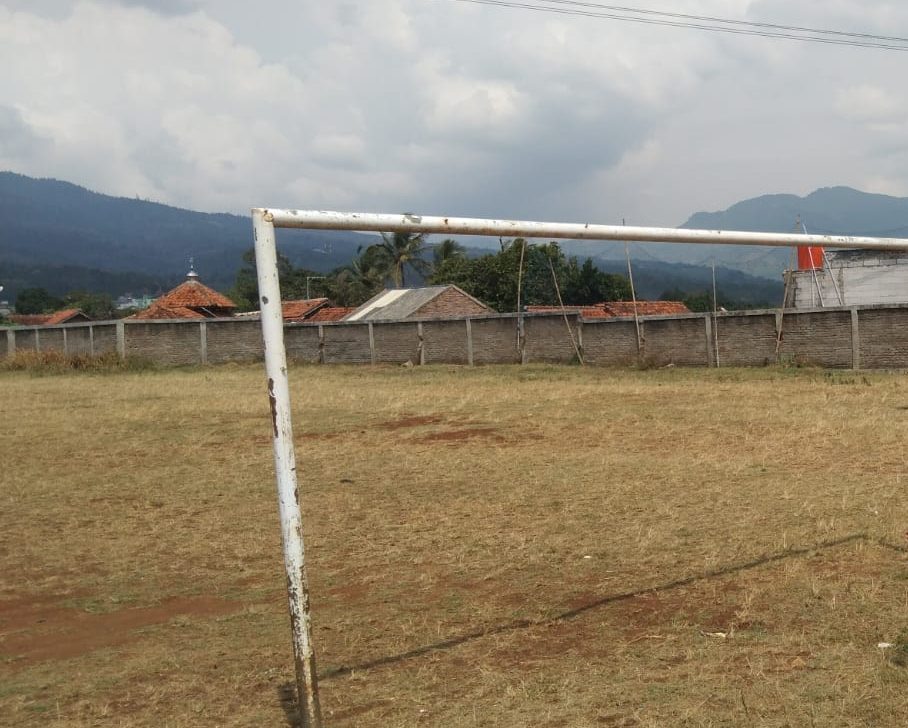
x: 449, y: 304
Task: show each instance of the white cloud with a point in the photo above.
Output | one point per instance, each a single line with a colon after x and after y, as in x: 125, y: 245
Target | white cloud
x: 445, y: 107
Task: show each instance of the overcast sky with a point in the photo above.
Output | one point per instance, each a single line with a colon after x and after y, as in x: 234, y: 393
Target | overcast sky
x: 443, y: 107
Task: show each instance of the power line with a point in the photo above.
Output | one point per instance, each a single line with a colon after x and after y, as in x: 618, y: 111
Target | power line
x: 729, y: 21
x: 765, y: 30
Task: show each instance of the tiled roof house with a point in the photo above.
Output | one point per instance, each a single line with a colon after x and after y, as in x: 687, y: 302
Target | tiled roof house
x: 68, y: 316
x: 190, y: 300
x: 313, y: 309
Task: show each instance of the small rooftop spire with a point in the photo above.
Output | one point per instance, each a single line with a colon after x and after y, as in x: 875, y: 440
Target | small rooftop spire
x: 192, y: 275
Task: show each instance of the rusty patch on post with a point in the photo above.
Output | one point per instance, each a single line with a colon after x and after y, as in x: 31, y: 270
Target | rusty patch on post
x: 272, y: 400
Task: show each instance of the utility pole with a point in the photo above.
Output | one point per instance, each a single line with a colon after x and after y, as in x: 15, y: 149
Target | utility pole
x: 312, y: 278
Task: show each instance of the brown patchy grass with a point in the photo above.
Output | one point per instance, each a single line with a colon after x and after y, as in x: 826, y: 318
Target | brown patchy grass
x: 491, y: 546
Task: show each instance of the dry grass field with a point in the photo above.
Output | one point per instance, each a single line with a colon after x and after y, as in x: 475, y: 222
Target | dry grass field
x: 487, y: 547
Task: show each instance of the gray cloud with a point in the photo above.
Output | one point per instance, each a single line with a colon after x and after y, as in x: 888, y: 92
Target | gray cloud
x: 448, y: 107
x: 17, y: 140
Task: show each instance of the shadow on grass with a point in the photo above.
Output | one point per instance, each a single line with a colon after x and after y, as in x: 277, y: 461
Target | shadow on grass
x: 286, y: 696
x: 794, y: 553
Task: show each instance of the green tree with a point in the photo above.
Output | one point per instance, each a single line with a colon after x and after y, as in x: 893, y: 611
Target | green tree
x: 36, y: 300
x: 98, y: 306
x: 403, y: 250
x: 356, y: 283
x: 245, y: 291
x: 586, y: 285
x: 493, y: 278
x: 699, y: 301
x: 446, y: 250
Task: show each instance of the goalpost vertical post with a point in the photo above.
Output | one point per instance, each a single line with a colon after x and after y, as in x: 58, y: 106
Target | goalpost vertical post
x: 272, y: 321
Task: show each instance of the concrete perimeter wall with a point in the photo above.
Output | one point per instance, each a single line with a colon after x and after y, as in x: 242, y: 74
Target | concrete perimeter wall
x: 856, y: 337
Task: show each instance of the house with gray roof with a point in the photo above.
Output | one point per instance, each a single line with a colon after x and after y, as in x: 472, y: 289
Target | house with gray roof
x: 431, y: 302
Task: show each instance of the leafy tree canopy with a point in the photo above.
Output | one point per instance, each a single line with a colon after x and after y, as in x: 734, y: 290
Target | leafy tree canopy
x: 36, y: 300
x: 493, y: 278
x: 245, y: 291
x: 98, y: 306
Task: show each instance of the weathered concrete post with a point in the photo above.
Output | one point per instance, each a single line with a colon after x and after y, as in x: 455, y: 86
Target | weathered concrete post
x: 855, y: 340
x: 203, y: 342
x: 285, y: 466
x: 710, y: 354
x: 121, y: 339
x: 469, y: 342
x: 421, y: 344
x: 10, y: 342
x: 371, y: 344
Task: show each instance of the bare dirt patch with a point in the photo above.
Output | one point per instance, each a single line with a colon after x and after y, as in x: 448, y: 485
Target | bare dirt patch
x: 39, y: 629
x: 477, y: 433
x: 410, y: 421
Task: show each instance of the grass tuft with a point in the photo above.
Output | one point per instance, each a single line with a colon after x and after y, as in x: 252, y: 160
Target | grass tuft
x: 56, y: 362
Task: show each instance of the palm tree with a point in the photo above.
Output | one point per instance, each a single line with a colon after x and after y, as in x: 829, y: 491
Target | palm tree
x: 401, y: 250
x: 448, y: 249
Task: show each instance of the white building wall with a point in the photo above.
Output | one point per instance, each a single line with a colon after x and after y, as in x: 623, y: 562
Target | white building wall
x: 863, y: 277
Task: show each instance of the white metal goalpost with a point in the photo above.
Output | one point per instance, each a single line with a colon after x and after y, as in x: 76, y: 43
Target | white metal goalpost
x: 266, y: 220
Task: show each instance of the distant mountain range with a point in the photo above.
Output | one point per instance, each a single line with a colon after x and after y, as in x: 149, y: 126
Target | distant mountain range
x: 827, y: 211
x: 64, y: 237
x: 58, y: 235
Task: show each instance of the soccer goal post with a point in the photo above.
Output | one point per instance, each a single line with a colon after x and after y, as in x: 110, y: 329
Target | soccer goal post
x: 264, y: 223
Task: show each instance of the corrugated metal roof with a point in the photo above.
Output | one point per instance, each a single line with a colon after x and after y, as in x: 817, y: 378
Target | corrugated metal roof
x: 396, y: 303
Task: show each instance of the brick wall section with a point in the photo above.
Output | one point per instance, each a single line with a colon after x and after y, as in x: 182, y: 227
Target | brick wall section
x: 610, y: 343
x: 168, y: 343
x: 78, y: 340
x: 396, y: 343
x: 448, y: 304
x: 680, y: 341
x: 746, y: 340
x: 25, y: 340
x: 52, y: 339
x: 234, y: 341
x: 547, y: 339
x: 445, y: 342
x: 301, y: 342
x: 822, y: 339
x: 884, y: 338
x: 495, y: 340
x: 106, y: 338
x: 347, y: 344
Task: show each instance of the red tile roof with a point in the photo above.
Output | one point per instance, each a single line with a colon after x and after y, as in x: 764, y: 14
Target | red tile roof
x: 157, y: 311
x: 193, y: 294
x: 191, y: 299
x: 61, y: 317
x: 29, y: 319
x: 48, y: 319
x: 331, y: 313
x: 303, y: 309
x: 616, y: 309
